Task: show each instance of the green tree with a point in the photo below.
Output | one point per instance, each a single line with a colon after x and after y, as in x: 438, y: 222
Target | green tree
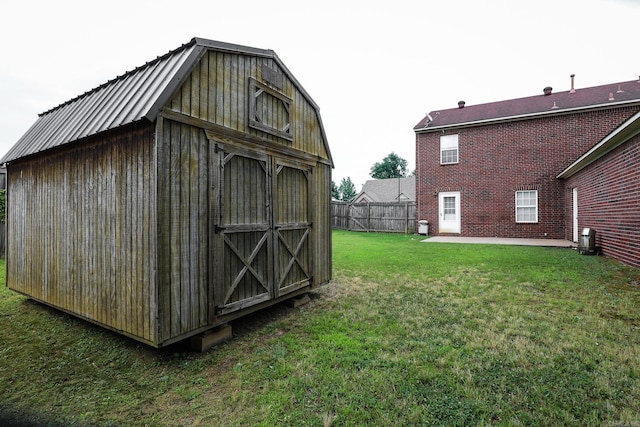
x: 347, y: 190
x: 335, y: 193
x: 392, y: 166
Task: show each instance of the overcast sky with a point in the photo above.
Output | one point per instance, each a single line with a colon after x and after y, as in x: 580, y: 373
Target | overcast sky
x: 375, y: 68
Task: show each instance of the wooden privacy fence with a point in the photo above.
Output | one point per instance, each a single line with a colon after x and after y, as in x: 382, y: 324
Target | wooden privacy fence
x: 387, y: 217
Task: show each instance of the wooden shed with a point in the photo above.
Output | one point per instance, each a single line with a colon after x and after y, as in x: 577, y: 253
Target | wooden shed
x: 176, y: 197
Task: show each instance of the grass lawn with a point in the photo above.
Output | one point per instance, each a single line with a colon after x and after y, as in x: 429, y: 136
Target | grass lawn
x: 406, y: 334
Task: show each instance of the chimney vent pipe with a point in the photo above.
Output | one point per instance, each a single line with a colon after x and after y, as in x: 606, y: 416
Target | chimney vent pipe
x: 547, y: 90
x: 461, y: 104
x: 572, y: 88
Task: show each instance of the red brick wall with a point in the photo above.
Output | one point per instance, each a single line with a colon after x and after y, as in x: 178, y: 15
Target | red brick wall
x: 609, y: 202
x: 497, y: 160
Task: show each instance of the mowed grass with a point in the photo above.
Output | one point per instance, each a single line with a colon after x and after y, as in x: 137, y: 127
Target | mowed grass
x: 407, y: 333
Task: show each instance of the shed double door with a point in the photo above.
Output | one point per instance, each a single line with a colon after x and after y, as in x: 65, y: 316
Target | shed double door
x: 264, y: 229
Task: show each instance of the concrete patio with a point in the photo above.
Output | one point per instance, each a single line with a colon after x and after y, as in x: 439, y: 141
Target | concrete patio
x: 557, y: 243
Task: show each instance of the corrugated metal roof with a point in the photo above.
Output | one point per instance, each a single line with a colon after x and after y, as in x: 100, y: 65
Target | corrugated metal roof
x: 605, y: 96
x: 136, y: 95
x: 123, y: 100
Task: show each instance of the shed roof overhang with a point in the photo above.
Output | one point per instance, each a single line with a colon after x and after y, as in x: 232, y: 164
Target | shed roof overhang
x: 619, y: 136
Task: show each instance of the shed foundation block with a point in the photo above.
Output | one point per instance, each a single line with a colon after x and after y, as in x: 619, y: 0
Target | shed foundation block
x: 298, y: 301
x: 204, y: 341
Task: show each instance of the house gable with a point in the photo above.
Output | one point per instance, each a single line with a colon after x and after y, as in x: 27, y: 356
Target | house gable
x: 619, y: 136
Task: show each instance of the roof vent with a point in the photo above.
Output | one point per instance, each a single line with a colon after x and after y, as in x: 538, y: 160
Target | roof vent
x: 461, y: 104
x: 547, y: 90
x: 611, y: 98
x: 572, y: 88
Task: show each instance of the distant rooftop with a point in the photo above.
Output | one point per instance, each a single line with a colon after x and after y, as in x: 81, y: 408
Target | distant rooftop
x: 388, y: 190
x: 546, y: 103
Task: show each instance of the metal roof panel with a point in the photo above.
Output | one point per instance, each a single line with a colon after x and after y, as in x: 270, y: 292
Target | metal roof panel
x: 120, y: 101
x: 136, y: 95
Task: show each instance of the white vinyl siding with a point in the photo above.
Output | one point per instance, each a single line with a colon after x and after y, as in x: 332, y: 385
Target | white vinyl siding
x: 527, y: 206
x: 448, y: 149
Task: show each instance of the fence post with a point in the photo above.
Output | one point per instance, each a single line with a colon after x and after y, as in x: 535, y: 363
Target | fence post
x: 406, y: 218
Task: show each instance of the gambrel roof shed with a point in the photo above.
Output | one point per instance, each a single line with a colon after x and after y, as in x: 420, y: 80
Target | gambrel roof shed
x: 174, y: 198
x: 137, y: 95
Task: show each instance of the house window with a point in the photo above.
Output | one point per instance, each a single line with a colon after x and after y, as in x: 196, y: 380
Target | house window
x: 527, y: 206
x: 448, y: 149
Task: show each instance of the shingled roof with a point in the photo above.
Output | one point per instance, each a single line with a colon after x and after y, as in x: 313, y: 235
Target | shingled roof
x: 547, y: 103
x: 388, y: 190
x: 137, y: 95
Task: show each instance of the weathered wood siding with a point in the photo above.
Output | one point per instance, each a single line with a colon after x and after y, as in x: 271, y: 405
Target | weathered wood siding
x: 377, y: 216
x: 233, y: 233
x: 185, y: 202
x: 223, y: 218
x: 218, y: 92
x: 162, y: 230
x: 81, y: 230
x: 322, y: 242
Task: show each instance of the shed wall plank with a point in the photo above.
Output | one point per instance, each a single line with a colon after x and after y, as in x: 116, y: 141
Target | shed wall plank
x: 183, y: 209
x: 224, y: 78
x: 76, y: 216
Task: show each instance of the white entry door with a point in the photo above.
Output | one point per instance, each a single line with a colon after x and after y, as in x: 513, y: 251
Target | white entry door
x: 575, y: 214
x: 449, y: 212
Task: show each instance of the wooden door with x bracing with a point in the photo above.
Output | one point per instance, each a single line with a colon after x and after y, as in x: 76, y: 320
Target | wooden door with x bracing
x: 244, y: 258
x: 292, y: 227
x: 264, y: 251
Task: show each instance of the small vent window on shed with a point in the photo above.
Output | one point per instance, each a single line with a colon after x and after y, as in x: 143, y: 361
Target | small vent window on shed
x: 270, y: 110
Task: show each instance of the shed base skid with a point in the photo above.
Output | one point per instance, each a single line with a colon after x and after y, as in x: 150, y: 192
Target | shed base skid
x: 204, y: 341
x: 298, y: 301
x: 221, y: 324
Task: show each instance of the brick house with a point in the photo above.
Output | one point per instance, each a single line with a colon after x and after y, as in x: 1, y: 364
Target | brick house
x: 603, y: 186
x: 501, y: 169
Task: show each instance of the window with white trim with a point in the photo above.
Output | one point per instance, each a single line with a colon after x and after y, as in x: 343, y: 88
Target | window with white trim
x: 527, y: 206
x: 448, y: 149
